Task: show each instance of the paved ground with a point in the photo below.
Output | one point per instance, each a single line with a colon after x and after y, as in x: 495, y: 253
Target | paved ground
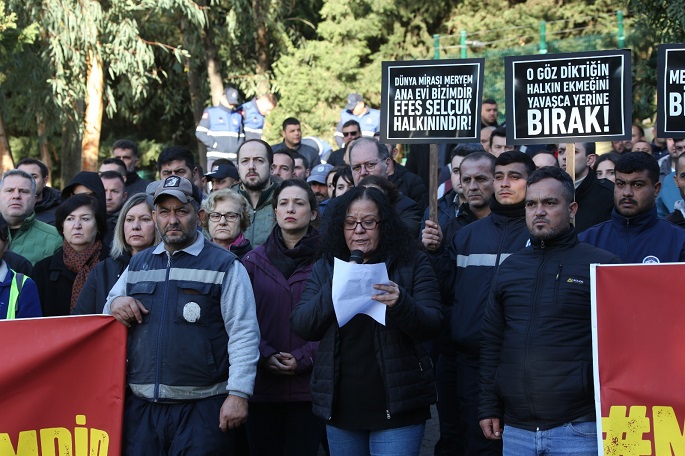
x: 432, y: 433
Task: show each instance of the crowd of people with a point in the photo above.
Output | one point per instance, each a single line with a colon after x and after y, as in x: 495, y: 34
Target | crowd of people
x: 225, y: 281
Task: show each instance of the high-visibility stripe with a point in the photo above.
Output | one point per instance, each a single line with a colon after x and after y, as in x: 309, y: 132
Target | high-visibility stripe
x: 181, y: 274
x: 202, y: 129
x: 223, y: 134
x: 172, y: 392
x: 480, y: 259
x: 253, y: 130
x: 14, y: 297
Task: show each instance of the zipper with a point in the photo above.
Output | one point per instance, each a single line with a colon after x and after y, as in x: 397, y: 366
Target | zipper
x: 385, y: 380
x: 556, y: 282
x: 161, y: 329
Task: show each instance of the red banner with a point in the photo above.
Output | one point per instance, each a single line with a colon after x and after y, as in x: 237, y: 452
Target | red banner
x: 639, y: 341
x: 62, y: 386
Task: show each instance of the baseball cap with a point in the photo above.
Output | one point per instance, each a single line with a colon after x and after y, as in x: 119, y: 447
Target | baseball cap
x: 231, y: 95
x: 222, y: 172
x: 352, y: 100
x: 319, y: 173
x: 176, y: 186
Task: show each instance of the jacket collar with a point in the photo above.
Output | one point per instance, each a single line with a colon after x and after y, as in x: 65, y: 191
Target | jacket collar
x: 566, y: 239
x: 639, y: 223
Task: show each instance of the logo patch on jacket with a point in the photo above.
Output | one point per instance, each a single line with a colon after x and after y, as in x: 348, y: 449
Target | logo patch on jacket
x: 572, y: 280
x: 650, y: 259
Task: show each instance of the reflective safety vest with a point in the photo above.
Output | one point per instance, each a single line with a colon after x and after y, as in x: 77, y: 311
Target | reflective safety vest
x: 15, y: 289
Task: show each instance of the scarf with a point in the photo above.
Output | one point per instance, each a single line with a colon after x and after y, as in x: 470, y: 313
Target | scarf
x: 80, y: 263
x: 287, y: 261
x: 511, y: 210
x: 237, y: 241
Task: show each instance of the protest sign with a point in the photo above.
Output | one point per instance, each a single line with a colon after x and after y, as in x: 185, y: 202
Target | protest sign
x: 639, y: 354
x: 431, y: 101
x: 563, y: 97
x: 671, y: 91
x: 62, y: 382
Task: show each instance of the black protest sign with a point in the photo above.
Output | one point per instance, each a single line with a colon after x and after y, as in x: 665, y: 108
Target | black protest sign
x: 671, y: 91
x: 431, y: 101
x: 564, y: 97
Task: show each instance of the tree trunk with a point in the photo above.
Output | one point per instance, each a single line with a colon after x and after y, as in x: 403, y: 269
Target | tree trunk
x: 6, y: 160
x: 71, y: 153
x: 45, y: 156
x: 259, y: 8
x: 194, y: 86
x: 216, y: 82
x: 93, y: 115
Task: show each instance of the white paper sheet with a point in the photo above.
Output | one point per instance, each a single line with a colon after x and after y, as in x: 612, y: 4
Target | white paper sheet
x: 352, y: 290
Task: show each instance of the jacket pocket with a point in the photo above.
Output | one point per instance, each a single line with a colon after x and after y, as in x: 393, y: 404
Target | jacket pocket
x: 143, y: 292
x: 193, y: 303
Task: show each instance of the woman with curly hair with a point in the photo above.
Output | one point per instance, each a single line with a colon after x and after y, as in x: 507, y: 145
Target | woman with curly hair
x: 372, y: 383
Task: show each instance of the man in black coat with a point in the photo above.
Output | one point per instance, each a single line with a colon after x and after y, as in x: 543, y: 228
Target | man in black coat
x: 595, y: 197
x: 536, y: 346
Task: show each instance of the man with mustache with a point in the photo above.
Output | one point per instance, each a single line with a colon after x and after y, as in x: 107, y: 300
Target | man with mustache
x: 255, y: 158
x: 635, y: 232
x: 193, y: 337
x: 536, y: 349
x: 466, y: 264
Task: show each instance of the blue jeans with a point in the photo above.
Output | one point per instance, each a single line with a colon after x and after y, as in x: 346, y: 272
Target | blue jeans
x: 404, y: 441
x: 577, y: 439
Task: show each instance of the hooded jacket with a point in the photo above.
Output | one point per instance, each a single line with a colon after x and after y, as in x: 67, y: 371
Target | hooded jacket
x: 91, y: 181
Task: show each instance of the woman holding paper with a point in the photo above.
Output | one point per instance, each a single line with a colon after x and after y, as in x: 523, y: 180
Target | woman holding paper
x: 281, y: 421
x: 372, y: 383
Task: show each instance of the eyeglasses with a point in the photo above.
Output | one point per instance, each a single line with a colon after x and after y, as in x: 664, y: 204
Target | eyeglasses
x: 229, y: 216
x: 369, y: 166
x: 350, y: 133
x: 367, y: 224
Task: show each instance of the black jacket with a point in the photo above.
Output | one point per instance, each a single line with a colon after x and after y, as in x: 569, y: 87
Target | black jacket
x: 468, y: 264
x: 410, y: 185
x: 595, y: 200
x: 55, y: 282
x: 404, y: 362
x: 45, y: 208
x: 676, y: 218
x: 100, y: 280
x: 536, y: 348
x: 447, y: 210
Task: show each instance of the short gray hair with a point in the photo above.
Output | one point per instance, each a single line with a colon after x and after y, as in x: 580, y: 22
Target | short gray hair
x: 20, y: 173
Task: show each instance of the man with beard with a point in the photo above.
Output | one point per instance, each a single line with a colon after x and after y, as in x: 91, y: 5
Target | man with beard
x: 317, y: 182
x: 635, y: 232
x: 185, y: 294
x: 255, y: 158
x: 292, y: 140
x: 536, y: 350
x: 465, y: 267
x: 476, y: 172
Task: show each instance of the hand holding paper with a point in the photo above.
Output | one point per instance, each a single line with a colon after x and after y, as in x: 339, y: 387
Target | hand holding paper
x: 354, y: 285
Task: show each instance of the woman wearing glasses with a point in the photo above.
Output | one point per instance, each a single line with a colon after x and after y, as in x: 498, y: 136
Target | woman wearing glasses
x: 281, y: 421
x: 372, y: 383
x: 226, y: 217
